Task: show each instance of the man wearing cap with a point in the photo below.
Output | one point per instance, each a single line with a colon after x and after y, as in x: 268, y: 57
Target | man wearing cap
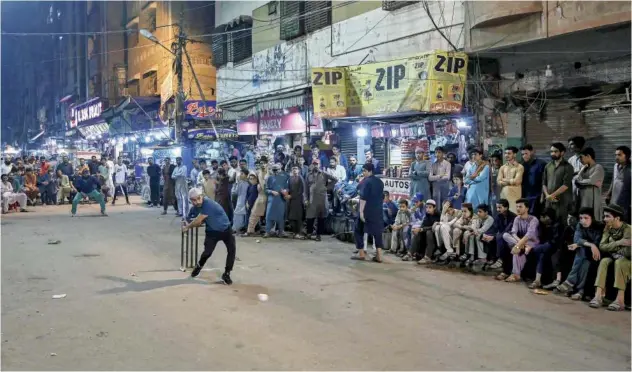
x: 217, y: 229
x: 86, y: 187
x: 370, y: 215
x: 276, y: 186
x: 419, y: 171
x: 614, y: 246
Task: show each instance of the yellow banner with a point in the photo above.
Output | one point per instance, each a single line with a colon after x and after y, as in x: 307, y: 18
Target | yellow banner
x: 432, y: 82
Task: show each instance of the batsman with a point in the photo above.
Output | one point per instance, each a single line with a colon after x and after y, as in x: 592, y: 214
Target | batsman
x: 218, y: 228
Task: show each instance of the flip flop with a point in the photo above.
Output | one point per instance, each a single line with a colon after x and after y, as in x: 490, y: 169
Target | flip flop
x: 375, y: 259
x: 358, y: 258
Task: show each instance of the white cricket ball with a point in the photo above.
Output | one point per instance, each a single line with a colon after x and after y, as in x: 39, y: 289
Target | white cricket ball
x: 263, y: 297
x: 258, y: 240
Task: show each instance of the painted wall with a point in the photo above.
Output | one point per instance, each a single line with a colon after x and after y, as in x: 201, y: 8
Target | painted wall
x: 374, y: 36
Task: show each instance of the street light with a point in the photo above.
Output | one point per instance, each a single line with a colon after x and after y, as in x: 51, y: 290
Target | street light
x: 149, y: 36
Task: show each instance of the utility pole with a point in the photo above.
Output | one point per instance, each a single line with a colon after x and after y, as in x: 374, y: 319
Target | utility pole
x: 179, y: 74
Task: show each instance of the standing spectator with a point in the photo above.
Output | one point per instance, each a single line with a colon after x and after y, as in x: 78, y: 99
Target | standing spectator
x: 223, y: 192
x: 477, y: 180
x: 503, y: 222
x: 400, y: 229
x: 619, y: 192
x: 586, y: 242
x: 369, y: 214
x: 316, y: 155
x: 354, y: 170
x: 455, y: 167
x: 195, y: 172
x: 341, y: 159
x: 94, y: 165
x: 233, y: 178
x: 522, y: 238
x: 510, y: 178
x: 496, y: 163
x: 83, y: 166
x: 557, y: 182
x: 256, y: 204
x: 294, y: 159
x: 551, y: 236
x: 419, y: 172
x: 108, y: 183
x: 209, y: 185
x: 439, y: 177
x: 369, y: 159
x: 65, y: 167
x: 120, y: 179
x: 295, y: 197
x: 316, y: 200
x: 181, y: 189
x: 276, y: 185
x: 168, y: 188
x: 250, y: 157
x: 588, y: 182
x: 241, y: 190
x: 200, y: 177
x: 153, y: 171
x: 336, y: 171
x: 576, y: 145
x: 532, y: 178
x: 614, y: 247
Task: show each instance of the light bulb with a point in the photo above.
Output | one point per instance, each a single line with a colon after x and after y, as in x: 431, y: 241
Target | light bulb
x: 361, y: 132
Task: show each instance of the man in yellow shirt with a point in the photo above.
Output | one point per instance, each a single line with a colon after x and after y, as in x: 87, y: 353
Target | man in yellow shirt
x: 510, y: 178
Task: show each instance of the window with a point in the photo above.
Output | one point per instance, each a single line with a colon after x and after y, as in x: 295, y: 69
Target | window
x: 394, y: 5
x: 133, y: 88
x: 300, y: 17
x: 151, y: 19
x: 233, y: 42
x: 132, y: 36
x: 150, y: 84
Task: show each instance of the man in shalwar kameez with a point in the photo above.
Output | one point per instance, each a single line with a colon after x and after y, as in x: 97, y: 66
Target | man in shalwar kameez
x: 477, y: 180
x: 275, y: 211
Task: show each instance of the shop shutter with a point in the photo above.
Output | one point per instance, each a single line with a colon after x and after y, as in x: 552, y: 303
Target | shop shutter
x: 219, y: 45
x: 607, y: 130
x: 348, y: 142
x: 292, y: 24
x: 379, y: 151
x: 557, y: 122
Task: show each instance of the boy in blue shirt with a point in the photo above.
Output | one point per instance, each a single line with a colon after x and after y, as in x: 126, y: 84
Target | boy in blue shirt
x: 86, y: 186
x: 217, y: 229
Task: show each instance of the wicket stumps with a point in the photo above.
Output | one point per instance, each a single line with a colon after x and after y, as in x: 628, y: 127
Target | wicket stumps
x: 189, y: 249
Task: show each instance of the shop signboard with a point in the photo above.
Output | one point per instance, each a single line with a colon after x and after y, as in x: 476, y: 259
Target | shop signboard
x: 431, y: 82
x: 397, y: 187
x: 94, y: 130
x: 277, y: 122
x: 206, y: 134
x: 87, y: 113
x: 195, y: 110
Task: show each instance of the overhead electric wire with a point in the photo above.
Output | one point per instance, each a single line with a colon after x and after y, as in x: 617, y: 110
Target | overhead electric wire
x: 78, y: 33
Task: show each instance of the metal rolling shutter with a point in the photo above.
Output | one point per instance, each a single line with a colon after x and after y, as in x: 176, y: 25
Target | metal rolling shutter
x: 291, y: 23
x: 317, y: 15
x: 557, y: 122
x: 607, y: 130
x: 379, y: 151
x: 348, y: 142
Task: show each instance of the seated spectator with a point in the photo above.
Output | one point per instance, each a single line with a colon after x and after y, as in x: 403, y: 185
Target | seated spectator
x: 452, y: 235
x: 503, y: 221
x: 400, y: 230
x: 9, y: 197
x: 480, y: 225
x: 65, y: 187
x: 614, y: 247
x: 457, y: 193
x: 586, y: 246
x: 389, y: 209
x: 30, y: 186
x: 423, y: 240
x: 522, y: 238
x: 443, y: 228
x: 417, y: 214
x: 551, y: 236
x: 48, y: 187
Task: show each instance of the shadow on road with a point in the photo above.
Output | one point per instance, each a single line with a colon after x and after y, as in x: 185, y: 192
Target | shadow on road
x: 134, y: 286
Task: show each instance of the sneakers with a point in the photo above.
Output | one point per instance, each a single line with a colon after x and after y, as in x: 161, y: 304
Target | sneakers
x: 196, y: 271
x: 226, y: 278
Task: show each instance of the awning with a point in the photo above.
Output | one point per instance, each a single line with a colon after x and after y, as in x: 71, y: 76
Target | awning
x: 66, y: 99
x: 248, y: 107
x: 37, y: 136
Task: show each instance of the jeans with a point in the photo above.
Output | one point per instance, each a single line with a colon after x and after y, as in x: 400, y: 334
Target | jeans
x: 540, y: 251
x: 503, y: 253
x: 94, y: 194
x: 579, y: 272
x: 210, y: 242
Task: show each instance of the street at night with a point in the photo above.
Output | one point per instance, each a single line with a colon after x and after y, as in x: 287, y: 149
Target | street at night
x: 128, y: 307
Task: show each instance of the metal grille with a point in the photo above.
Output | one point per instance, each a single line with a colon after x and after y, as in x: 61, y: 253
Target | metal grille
x: 219, y: 47
x: 318, y: 15
x: 348, y: 142
x: 557, y: 122
x: 292, y: 25
x: 394, y: 5
x: 240, y: 43
x: 607, y: 130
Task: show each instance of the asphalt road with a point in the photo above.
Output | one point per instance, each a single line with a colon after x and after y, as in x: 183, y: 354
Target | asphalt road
x: 127, y: 307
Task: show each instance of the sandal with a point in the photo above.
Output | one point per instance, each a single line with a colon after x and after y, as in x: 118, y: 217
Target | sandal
x: 577, y: 296
x: 596, y: 303
x: 376, y: 259
x: 424, y: 261
x: 535, y: 284
x: 357, y: 257
x: 502, y: 276
x: 513, y: 278
x: 406, y: 258
x: 615, y: 306
x: 564, y: 287
x: 552, y: 285
x: 496, y: 265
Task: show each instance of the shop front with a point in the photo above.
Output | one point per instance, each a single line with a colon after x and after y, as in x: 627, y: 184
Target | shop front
x: 394, y: 108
